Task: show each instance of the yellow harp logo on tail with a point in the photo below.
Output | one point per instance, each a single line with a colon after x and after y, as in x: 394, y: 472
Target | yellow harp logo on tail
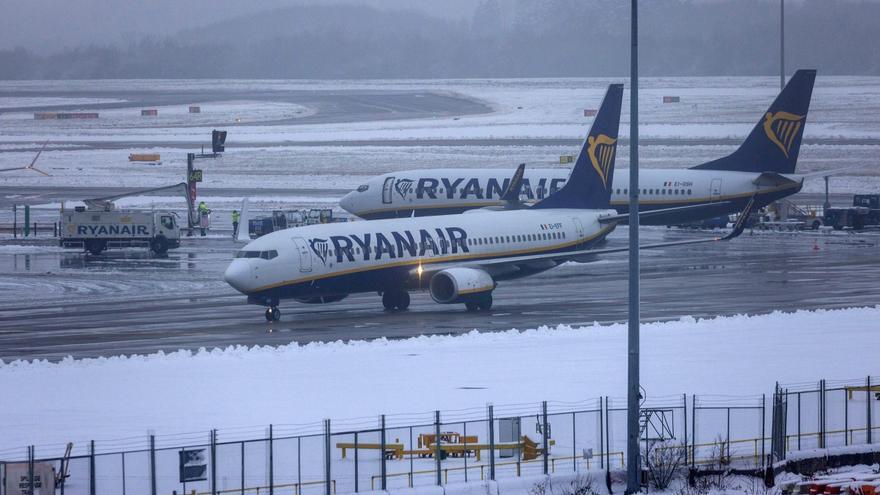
x: 601, y: 153
x: 781, y: 128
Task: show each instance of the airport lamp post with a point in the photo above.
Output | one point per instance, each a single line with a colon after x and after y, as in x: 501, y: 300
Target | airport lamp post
x: 632, y: 403
x: 781, y: 44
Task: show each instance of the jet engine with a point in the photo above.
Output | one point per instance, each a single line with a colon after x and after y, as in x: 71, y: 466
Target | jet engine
x: 460, y: 285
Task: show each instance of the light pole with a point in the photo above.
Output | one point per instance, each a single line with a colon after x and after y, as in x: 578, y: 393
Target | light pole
x: 632, y: 403
x: 781, y: 44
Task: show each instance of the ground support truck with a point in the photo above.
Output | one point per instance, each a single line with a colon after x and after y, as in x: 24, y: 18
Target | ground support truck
x: 95, y: 230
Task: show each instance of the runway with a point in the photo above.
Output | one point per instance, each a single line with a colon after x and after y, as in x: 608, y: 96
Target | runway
x: 128, y: 302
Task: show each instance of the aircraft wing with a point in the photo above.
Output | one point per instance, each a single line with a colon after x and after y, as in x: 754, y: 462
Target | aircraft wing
x: 823, y: 173
x: 503, y: 263
x: 623, y: 217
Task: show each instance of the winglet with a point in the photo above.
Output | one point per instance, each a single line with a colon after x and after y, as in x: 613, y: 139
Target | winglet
x: 740, y: 224
x: 243, y: 224
x: 511, y: 194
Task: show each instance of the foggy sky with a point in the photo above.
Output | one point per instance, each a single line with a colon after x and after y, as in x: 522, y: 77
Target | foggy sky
x: 355, y: 39
x: 49, y: 26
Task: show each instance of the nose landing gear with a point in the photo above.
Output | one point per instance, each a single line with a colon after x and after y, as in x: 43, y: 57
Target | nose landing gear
x: 273, y: 313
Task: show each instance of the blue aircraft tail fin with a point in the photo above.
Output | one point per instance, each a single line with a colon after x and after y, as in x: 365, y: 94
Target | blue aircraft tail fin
x: 774, y: 143
x: 589, y: 184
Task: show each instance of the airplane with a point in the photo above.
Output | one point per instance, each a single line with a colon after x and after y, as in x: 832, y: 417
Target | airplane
x: 762, y: 167
x: 457, y: 258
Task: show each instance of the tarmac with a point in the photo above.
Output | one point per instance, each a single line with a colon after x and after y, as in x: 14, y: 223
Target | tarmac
x: 57, y: 303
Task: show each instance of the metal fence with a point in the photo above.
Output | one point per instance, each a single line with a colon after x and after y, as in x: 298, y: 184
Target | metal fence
x: 439, y: 448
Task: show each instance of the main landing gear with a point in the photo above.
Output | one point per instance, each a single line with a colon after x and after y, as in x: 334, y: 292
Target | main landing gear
x: 395, y: 299
x: 273, y: 313
x: 481, y: 302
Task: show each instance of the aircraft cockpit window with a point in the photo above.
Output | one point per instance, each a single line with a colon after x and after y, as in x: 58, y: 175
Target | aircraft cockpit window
x: 268, y: 255
x: 363, y: 188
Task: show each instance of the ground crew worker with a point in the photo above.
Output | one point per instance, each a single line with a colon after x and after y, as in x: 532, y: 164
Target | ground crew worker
x: 236, y: 216
x: 204, y: 218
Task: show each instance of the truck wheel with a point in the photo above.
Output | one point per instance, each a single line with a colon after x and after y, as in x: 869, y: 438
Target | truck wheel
x: 95, y: 247
x: 158, y: 245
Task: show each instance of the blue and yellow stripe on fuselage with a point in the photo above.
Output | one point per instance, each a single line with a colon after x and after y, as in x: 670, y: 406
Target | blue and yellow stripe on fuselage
x: 398, y: 274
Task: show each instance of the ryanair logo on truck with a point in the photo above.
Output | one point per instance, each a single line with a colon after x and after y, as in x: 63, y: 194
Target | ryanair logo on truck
x: 782, y: 129
x: 113, y: 230
x: 392, y: 245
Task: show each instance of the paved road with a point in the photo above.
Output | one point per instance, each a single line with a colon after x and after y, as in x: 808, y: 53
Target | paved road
x: 329, y: 105
x: 129, y: 302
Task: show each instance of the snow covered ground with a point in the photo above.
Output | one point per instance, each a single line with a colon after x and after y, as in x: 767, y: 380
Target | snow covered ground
x: 236, y: 388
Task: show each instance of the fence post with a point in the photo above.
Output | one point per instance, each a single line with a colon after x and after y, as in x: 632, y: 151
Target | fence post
x: 31, y: 468
x: 356, y: 462
x: 214, y: 462
x: 123, y: 476
x: 437, y: 451
x: 327, y: 481
x: 545, y: 438
x: 491, y: 443
x: 868, y: 401
x: 153, y: 464
x: 845, y: 417
x: 298, y: 465
x: 574, y: 452
x: 764, y: 426
x: 242, y: 467
x: 694, y: 430
x: 822, y: 414
x: 607, y: 440
x: 91, y: 468
x: 799, y: 419
x: 601, y: 432
x: 271, y: 460
x: 14, y: 221
x: 727, y: 438
x: 684, y: 407
x: 382, y: 451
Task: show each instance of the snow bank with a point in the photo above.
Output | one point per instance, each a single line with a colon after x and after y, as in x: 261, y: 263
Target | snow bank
x: 123, y: 396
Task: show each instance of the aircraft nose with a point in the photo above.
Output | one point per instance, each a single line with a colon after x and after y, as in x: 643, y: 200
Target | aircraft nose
x: 347, y: 203
x: 239, y: 275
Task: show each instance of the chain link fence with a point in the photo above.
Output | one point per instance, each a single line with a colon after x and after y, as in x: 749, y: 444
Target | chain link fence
x: 439, y: 448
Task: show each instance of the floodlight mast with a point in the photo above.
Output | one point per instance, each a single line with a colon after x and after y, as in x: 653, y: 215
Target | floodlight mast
x: 632, y: 402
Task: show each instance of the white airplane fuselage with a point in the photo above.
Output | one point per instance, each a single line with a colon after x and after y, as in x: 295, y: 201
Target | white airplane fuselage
x: 323, y: 263
x: 445, y: 191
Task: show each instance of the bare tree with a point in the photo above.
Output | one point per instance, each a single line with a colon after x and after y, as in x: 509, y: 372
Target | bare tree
x: 664, y: 461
